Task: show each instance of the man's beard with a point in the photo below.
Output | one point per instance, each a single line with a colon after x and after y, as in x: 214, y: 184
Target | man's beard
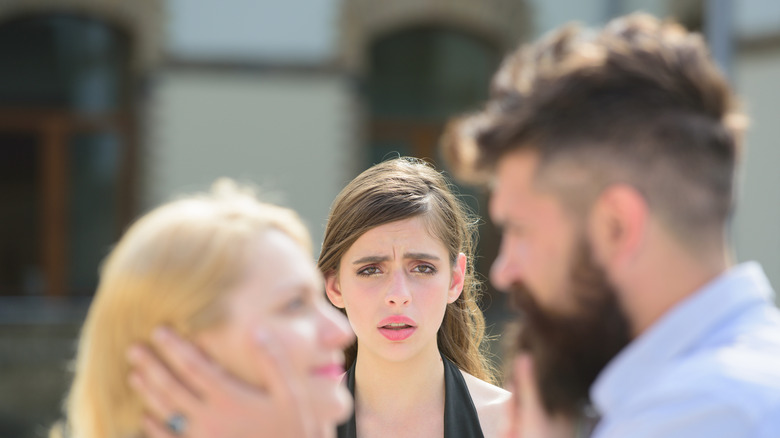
x: 570, y: 350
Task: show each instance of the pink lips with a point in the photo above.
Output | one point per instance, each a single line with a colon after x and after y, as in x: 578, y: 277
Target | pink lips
x: 332, y: 371
x: 397, y: 327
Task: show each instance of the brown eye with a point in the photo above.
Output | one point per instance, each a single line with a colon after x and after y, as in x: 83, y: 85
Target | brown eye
x: 368, y: 270
x: 425, y: 269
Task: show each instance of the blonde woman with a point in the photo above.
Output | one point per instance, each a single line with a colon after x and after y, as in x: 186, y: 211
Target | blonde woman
x: 227, y: 273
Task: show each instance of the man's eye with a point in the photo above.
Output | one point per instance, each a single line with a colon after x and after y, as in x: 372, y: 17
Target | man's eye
x: 515, y: 231
x: 368, y: 270
x: 425, y: 269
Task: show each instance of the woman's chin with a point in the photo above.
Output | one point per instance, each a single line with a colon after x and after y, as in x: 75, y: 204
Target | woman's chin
x: 337, y: 408
x: 346, y: 404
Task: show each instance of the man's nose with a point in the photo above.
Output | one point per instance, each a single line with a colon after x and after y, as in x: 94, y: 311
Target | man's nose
x: 506, y: 269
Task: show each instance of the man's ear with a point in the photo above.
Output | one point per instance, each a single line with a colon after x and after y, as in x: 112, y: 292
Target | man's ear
x: 617, y: 225
x: 458, y: 278
x: 333, y: 290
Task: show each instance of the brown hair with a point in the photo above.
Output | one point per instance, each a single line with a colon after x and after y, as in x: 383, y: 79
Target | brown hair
x: 638, y: 102
x: 399, y: 189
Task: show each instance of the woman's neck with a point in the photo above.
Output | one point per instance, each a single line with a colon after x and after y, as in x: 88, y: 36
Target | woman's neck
x: 390, y: 389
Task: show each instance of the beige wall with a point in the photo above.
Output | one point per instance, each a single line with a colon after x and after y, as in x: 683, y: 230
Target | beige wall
x: 757, y: 223
x: 289, y: 133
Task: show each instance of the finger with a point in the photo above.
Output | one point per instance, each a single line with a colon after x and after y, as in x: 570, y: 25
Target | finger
x: 284, y: 389
x: 528, y: 390
x: 154, y: 429
x: 536, y: 422
x: 275, y: 364
x: 162, y: 393
x: 507, y: 425
x: 510, y: 424
x: 154, y: 404
x: 190, y: 366
x: 534, y: 418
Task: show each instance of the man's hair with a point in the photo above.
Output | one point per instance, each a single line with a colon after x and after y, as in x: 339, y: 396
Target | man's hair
x: 638, y: 102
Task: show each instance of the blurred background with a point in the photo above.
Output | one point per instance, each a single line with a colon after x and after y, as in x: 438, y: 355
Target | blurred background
x: 109, y: 107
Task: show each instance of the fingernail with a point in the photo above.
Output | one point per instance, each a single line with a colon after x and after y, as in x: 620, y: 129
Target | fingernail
x: 133, y: 354
x: 133, y: 380
x: 161, y: 334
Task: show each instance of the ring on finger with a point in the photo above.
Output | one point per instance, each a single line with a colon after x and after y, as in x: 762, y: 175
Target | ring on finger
x: 177, y: 424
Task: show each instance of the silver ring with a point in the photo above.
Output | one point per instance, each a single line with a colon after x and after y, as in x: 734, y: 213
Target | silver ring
x: 177, y: 424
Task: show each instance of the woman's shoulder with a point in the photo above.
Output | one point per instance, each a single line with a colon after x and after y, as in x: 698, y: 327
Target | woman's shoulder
x: 484, y: 393
x: 490, y: 402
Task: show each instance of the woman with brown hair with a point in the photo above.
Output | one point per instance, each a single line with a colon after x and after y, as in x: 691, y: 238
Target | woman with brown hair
x: 397, y: 258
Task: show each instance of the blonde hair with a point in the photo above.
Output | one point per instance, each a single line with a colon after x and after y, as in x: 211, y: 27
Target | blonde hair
x: 172, y: 268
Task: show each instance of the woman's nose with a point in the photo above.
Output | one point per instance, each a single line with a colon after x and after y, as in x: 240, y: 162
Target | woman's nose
x: 398, y: 293
x: 335, y: 329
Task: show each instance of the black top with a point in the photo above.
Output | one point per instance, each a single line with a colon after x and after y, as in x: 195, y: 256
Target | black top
x: 460, y: 415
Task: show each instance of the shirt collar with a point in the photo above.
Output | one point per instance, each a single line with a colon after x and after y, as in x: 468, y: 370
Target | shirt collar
x: 677, y: 330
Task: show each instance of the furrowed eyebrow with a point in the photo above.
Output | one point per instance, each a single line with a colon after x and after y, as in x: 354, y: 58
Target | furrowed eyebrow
x: 420, y: 256
x: 408, y: 255
x: 371, y: 259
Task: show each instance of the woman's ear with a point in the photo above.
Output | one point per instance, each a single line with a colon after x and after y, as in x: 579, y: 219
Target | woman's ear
x: 333, y: 290
x: 458, y: 278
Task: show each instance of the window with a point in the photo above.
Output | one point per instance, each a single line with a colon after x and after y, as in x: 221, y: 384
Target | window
x: 418, y: 79
x: 66, y: 151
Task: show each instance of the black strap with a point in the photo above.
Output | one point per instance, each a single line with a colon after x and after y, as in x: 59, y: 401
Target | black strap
x: 349, y: 428
x: 460, y: 415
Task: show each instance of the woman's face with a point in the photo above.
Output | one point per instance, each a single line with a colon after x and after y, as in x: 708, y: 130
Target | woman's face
x: 395, y: 282
x: 281, y: 294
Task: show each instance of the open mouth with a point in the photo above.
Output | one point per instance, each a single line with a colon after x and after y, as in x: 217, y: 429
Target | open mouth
x: 397, y: 328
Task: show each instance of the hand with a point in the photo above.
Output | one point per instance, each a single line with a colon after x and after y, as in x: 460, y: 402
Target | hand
x: 184, y: 381
x: 526, y: 416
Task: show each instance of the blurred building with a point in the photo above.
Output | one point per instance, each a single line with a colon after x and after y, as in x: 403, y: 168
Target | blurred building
x: 108, y: 108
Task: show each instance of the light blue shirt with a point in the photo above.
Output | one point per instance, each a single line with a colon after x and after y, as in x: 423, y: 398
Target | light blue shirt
x: 710, y: 367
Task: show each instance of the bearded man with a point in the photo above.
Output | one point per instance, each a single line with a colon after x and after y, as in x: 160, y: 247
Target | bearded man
x: 611, y: 158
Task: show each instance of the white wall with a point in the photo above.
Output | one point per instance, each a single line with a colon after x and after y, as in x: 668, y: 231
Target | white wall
x: 756, y: 17
x: 289, y: 134
x: 757, y: 223
x: 549, y: 14
x: 278, y: 30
